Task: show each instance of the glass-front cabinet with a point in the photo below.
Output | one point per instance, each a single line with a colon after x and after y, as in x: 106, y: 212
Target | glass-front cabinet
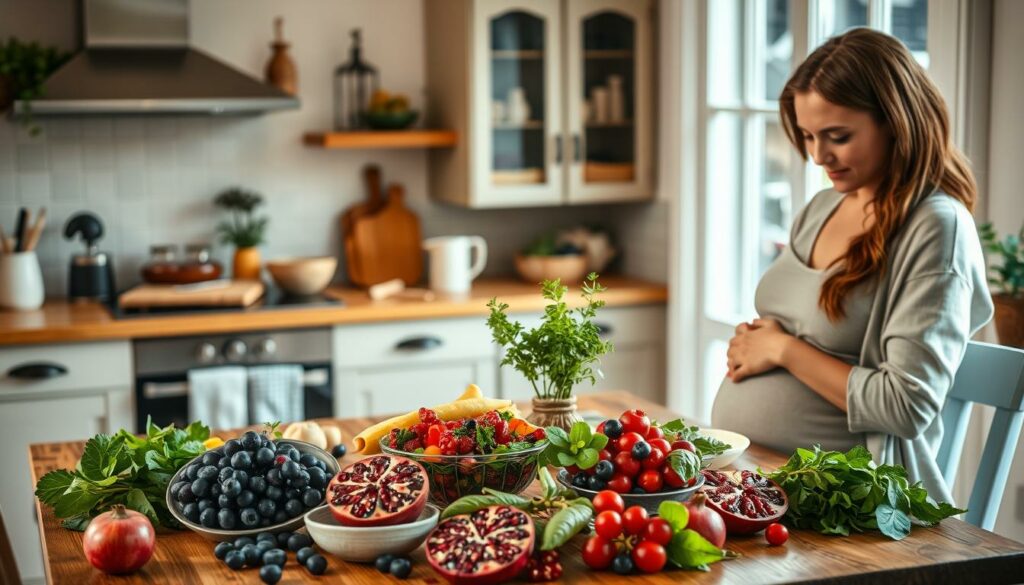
x: 559, y: 95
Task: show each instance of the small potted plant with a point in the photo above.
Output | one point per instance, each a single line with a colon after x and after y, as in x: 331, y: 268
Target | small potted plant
x: 557, y: 355
x: 23, y: 69
x: 243, y: 230
x: 1007, y: 278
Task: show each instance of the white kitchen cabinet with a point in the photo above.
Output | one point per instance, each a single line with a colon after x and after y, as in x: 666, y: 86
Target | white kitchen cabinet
x: 637, y: 363
x: 554, y: 99
x: 92, y: 396
x: 384, y: 368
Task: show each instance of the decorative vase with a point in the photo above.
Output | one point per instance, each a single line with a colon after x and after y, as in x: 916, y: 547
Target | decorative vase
x: 246, y: 264
x: 554, y: 412
x: 1009, y: 320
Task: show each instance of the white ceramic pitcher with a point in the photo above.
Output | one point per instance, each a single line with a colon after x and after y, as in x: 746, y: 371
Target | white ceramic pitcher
x: 451, y: 271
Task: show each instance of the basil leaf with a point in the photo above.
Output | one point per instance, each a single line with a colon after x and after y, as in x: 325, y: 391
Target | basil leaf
x: 565, y: 524
x: 675, y: 514
x: 565, y: 459
x: 673, y: 426
x: 550, y: 487
x: 556, y: 436
x: 599, y: 441
x: 467, y: 504
x: 579, y: 434
x: 893, y: 522
x: 690, y: 550
x: 587, y: 458
x: 685, y: 463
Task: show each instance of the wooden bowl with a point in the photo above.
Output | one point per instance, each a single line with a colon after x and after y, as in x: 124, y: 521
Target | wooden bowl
x: 303, y: 276
x: 569, y: 269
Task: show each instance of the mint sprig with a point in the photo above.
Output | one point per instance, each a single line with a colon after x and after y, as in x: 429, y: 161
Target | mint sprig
x: 580, y: 446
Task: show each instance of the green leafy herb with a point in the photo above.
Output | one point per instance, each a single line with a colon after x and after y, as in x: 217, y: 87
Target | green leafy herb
x: 580, y: 446
x: 273, y: 429
x: 685, y: 463
x: 1007, y: 269
x: 708, y: 446
x: 836, y: 493
x: 485, y: 438
x: 559, y: 353
x: 244, y: 230
x: 688, y: 549
x: 122, y: 469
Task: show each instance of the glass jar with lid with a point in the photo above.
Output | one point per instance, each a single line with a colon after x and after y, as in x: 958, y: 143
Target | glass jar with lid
x: 198, y: 266
x: 162, y: 267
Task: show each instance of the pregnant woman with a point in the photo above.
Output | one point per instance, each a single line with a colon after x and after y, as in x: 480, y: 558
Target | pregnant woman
x: 866, y: 313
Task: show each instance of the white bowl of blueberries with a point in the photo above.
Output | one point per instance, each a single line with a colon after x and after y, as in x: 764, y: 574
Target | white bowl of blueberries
x: 249, y: 486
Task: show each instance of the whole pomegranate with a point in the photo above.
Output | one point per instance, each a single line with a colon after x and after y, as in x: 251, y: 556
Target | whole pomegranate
x: 490, y: 545
x: 705, y: 521
x: 748, y: 502
x: 119, y: 541
x: 378, y: 491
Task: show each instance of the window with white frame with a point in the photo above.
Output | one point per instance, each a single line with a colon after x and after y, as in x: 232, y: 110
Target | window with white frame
x: 754, y: 180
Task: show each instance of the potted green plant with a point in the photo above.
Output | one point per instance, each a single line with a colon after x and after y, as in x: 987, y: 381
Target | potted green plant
x: 244, y: 230
x: 1007, y: 278
x: 560, y: 353
x: 23, y: 69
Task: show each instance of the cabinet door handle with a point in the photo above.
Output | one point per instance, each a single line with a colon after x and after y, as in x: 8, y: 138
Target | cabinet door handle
x: 37, y: 371
x: 604, y: 330
x: 419, y: 343
x: 576, y: 147
x: 558, y: 150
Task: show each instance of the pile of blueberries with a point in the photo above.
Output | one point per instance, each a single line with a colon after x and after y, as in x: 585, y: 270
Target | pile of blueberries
x: 398, y: 566
x: 269, y: 553
x: 249, y: 483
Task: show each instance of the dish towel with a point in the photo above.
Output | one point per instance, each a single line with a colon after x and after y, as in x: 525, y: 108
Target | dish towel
x: 276, y: 394
x: 218, y: 397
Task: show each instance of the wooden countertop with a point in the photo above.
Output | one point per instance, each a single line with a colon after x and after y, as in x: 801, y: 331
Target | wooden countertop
x: 953, y: 552
x: 61, y: 321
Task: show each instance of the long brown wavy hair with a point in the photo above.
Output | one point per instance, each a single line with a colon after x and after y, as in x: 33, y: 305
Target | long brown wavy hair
x: 870, y: 71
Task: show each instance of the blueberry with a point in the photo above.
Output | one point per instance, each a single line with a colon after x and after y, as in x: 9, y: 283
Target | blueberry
x: 235, y: 559
x: 604, y: 470
x: 215, y: 489
x: 227, y: 519
x: 185, y: 495
x: 304, y: 553
x: 383, y: 563
x: 282, y: 539
x: 281, y: 516
x: 225, y: 473
x: 612, y: 428
x: 637, y: 490
x: 211, y: 458
x: 231, y: 447
x: 191, y: 512
x: 201, y: 487
x: 249, y: 517
x: 266, y: 508
x: 294, y: 455
x: 265, y: 545
x: 264, y: 457
x: 623, y: 565
x: 268, y: 536
x: 241, y: 541
x: 270, y: 574
x: 264, y: 522
x: 241, y: 460
x: 275, y: 556
x: 596, y: 483
x: 274, y: 477
x: 641, y: 450
x: 298, y: 541
x: 293, y: 508
x: 580, y: 480
x: 311, y: 498
x: 401, y: 568
x: 290, y: 470
x: 317, y: 478
x: 231, y: 487
x: 175, y: 488
x: 207, y: 472
x: 338, y: 451
x: 204, y: 504
x: 274, y: 493
x: 252, y: 555
x: 226, y: 501
x: 316, y: 564
x: 224, y: 463
x: 308, y: 460
x: 245, y: 499
x: 192, y: 471
x: 222, y: 549
x: 241, y: 476
x: 208, y: 518
x: 257, y: 485
x: 250, y: 440
x: 292, y: 494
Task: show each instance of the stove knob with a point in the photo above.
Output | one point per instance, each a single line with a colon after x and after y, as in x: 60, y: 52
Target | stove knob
x: 206, y: 352
x: 235, y: 350
x: 266, y: 347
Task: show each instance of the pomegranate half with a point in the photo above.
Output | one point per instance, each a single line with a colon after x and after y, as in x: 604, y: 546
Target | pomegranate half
x: 378, y: 491
x: 748, y: 502
x: 491, y: 545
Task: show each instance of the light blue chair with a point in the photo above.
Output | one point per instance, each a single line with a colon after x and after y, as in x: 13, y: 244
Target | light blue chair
x: 992, y: 375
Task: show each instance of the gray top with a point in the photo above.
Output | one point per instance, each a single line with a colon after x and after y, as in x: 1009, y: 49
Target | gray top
x: 914, y: 327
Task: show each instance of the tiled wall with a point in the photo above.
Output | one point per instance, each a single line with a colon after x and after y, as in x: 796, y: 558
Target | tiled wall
x: 152, y: 179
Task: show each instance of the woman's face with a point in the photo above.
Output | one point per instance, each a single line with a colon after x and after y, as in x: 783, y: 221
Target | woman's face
x: 848, y: 143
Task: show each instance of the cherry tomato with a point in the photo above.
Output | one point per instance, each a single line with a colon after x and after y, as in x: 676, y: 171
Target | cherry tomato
x: 654, y: 433
x: 608, y: 524
x: 625, y: 464
x: 620, y: 483
x: 776, y: 534
x: 672, y: 479
x: 650, y: 480
x: 657, y: 530
x: 654, y: 460
x: 600, y: 428
x: 662, y: 444
x: 684, y: 445
x: 604, y: 455
x: 627, y: 440
x: 634, y: 519
x: 649, y: 556
x: 635, y: 421
x: 598, y: 552
x: 608, y: 500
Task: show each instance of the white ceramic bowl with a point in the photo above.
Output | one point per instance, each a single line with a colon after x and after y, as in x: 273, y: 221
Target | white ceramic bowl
x: 362, y: 544
x: 302, y: 276
x: 738, y: 442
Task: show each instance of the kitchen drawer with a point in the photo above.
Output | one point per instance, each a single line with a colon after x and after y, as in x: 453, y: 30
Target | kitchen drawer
x: 86, y: 366
x: 412, y: 342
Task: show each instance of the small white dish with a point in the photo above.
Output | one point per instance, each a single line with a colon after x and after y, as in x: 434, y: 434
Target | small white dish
x: 363, y: 544
x: 738, y: 442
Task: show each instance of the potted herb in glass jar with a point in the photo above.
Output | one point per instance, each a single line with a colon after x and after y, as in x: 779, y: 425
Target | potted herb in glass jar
x: 1008, y: 283
x: 556, y: 356
x: 243, y: 230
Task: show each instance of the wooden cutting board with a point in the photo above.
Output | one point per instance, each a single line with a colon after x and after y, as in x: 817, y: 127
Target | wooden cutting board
x: 374, y: 202
x: 235, y: 293
x: 387, y: 243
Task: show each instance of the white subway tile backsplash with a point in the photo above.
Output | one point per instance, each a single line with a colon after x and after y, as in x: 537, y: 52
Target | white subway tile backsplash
x: 97, y: 157
x: 130, y: 154
x: 33, y: 188
x: 31, y: 157
x: 160, y: 153
x: 100, y: 187
x: 67, y: 186
x: 62, y: 128
x: 64, y: 155
x: 160, y: 127
x: 8, y: 192
x: 131, y: 184
x: 128, y: 127
x: 98, y: 128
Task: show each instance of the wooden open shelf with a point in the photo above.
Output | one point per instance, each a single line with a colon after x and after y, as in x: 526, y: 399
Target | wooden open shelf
x: 382, y: 139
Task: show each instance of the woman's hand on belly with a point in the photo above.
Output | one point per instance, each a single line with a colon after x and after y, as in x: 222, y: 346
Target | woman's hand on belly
x: 756, y: 348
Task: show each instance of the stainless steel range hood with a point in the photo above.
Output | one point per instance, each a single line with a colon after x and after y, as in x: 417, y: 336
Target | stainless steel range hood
x: 137, y: 60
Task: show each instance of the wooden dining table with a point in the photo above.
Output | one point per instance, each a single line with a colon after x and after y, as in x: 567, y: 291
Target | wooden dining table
x: 952, y: 552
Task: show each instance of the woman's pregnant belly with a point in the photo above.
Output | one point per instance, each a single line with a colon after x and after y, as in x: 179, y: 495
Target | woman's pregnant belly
x: 776, y: 410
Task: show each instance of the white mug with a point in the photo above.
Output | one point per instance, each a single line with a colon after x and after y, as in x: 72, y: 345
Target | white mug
x: 21, y: 281
x: 451, y: 271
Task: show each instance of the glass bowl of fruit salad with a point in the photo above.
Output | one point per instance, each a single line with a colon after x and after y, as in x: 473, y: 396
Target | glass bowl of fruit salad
x: 462, y: 457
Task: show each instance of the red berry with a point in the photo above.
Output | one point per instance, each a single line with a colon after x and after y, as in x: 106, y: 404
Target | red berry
x: 635, y: 421
x: 598, y: 552
x: 662, y: 444
x: 427, y: 416
x: 608, y: 524
x: 650, y: 480
x: 620, y: 483
x: 776, y: 534
x: 657, y: 530
x: 600, y: 428
x: 625, y: 464
x: 608, y: 500
x: 654, y: 460
x: 684, y: 445
x: 627, y: 440
x: 654, y: 433
x: 649, y: 557
x: 604, y: 455
x: 634, y: 519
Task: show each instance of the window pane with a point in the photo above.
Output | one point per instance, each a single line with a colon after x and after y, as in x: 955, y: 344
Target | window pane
x: 777, y: 53
x: 910, y: 25
x: 776, y: 209
x: 725, y: 51
x: 723, y: 236
x: 838, y: 16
